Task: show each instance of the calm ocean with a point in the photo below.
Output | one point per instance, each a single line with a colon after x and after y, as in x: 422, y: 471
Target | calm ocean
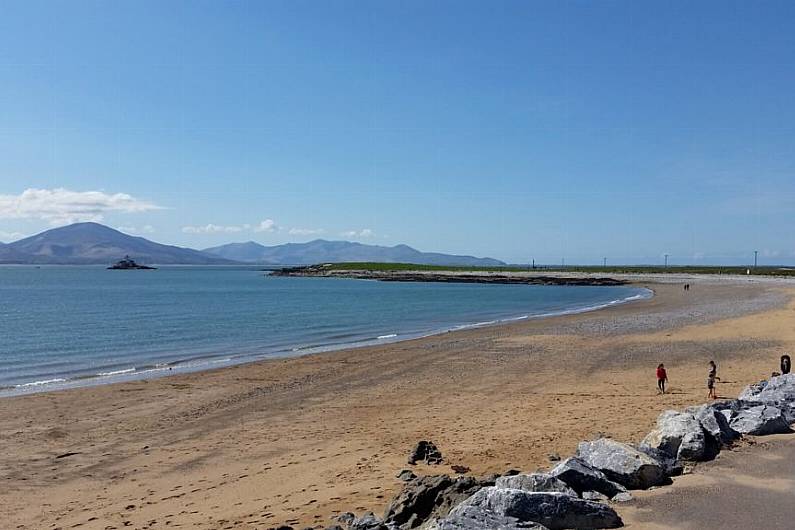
x: 67, y: 326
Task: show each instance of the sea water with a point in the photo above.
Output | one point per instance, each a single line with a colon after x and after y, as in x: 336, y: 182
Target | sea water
x: 66, y: 326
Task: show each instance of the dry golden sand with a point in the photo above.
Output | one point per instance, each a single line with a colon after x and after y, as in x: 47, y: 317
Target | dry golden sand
x: 297, y: 440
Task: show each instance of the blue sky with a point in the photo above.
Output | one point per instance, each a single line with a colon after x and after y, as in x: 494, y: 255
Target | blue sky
x: 518, y: 130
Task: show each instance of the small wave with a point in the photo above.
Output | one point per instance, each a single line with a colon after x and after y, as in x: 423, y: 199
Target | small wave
x: 40, y: 383
x: 476, y: 324
x: 390, y: 336
x: 116, y: 372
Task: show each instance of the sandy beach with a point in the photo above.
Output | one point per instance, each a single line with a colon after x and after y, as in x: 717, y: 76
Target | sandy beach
x: 295, y: 441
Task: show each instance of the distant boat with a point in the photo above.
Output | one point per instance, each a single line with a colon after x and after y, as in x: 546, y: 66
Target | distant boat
x: 128, y: 263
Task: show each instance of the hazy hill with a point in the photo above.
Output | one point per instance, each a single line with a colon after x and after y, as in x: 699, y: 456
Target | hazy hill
x: 322, y: 251
x: 92, y: 243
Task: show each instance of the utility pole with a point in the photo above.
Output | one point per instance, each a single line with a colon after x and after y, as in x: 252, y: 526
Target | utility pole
x: 666, y: 261
x: 534, y: 263
x: 604, y: 262
x: 756, y: 253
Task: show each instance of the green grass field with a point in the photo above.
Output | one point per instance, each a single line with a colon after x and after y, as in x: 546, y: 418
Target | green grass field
x: 376, y: 266
x: 629, y: 269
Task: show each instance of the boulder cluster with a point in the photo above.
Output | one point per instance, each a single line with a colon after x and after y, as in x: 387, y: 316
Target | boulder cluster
x: 578, y: 491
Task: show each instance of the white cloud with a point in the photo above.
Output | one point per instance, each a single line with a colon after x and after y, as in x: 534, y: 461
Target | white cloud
x: 268, y: 225
x: 10, y: 236
x: 265, y: 226
x: 146, y: 229
x: 305, y: 231
x: 211, y: 229
x: 364, y: 233
x: 60, y: 206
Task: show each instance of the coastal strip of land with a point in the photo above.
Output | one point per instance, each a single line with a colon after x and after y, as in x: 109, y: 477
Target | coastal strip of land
x: 296, y: 441
x: 391, y: 273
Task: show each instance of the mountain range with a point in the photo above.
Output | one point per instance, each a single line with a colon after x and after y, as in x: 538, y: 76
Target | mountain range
x: 93, y: 243
x: 322, y: 251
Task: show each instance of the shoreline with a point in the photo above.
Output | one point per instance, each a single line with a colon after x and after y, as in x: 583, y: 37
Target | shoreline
x: 194, y: 365
x: 294, y: 441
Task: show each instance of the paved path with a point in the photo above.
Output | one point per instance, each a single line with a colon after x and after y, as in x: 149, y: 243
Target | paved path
x: 750, y: 487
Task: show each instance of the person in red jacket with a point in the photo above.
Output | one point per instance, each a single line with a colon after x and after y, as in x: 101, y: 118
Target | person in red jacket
x: 662, y: 378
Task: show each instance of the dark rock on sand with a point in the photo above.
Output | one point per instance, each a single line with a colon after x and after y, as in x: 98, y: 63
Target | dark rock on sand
x: 346, y: 518
x: 671, y: 466
x: 581, y: 477
x: 368, y: 521
x: 552, y: 510
x: 426, y: 452
x: 476, y: 518
x: 623, y: 463
x: 535, y: 482
x: 431, y: 496
x: 406, y: 475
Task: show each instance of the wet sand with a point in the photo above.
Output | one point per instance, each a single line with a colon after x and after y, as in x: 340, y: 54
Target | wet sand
x: 297, y: 440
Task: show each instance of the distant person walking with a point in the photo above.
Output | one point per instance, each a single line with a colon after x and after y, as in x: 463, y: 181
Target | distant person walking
x: 662, y: 378
x: 786, y: 364
x: 711, y: 377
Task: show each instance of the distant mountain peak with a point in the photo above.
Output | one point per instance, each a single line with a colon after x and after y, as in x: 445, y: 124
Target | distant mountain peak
x: 94, y: 243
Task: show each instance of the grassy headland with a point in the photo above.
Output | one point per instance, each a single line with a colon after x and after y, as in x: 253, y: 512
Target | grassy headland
x: 540, y: 269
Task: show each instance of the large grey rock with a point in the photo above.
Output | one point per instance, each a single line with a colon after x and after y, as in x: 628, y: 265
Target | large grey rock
x: 760, y: 420
x: 581, y: 477
x: 779, y: 389
x: 553, y: 510
x: 429, y: 497
x: 535, y: 482
x: 730, y: 408
x: 678, y: 434
x: 714, y: 422
x: 622, y: 463
x: 476, y: 518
